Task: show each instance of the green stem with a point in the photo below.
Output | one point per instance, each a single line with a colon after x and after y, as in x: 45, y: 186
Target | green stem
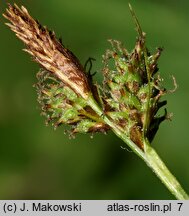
x: 168, y: 179
x: 150, y: 156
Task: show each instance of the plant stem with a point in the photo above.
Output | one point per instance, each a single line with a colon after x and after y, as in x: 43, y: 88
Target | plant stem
x: 150, y: 156
x: 168, y: 179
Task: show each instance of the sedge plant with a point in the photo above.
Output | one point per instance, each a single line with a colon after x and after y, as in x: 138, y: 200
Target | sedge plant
x: 127, y: 102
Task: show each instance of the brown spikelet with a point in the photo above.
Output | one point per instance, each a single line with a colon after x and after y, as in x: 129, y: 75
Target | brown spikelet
x: 47, y: 50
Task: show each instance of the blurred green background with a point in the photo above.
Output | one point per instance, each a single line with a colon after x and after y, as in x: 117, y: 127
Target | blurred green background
x: 37, y: 162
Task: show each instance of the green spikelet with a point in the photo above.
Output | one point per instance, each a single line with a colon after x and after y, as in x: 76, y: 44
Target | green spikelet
x: 61, y: 105
x: 134, y: 91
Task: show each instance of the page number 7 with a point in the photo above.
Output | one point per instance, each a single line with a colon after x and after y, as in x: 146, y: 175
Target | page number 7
x: 180, y: 205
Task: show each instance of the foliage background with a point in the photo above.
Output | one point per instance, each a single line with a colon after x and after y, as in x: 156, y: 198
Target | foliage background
x: 37, y: 162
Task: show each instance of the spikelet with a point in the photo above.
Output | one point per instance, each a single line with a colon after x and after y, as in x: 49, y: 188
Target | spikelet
x: 47, y: 50
x: 130, y: 95
x: 61, y: 105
